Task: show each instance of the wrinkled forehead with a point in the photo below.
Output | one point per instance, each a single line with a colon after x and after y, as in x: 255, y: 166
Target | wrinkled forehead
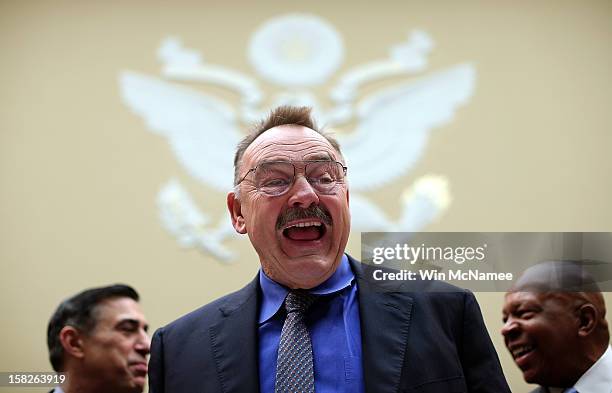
x: 513, y: 299
x: 291, y: 143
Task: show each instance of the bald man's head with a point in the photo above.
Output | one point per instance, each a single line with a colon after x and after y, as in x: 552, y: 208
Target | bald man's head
x: 564, y: 280
x: 554, y: 323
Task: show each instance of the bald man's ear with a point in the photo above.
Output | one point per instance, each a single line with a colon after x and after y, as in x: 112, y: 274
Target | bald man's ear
x: 72, y: 341
x: 235, y: 209
x: 588, y: 317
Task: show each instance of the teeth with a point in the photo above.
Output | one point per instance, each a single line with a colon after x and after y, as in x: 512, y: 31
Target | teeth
x: 520, y: 351
x: 306, y: 224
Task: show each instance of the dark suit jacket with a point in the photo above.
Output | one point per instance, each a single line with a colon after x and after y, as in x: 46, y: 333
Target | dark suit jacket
x: 414, y: 341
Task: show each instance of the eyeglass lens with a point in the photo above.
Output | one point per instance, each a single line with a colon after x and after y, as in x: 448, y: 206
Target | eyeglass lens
x: 275, y: 178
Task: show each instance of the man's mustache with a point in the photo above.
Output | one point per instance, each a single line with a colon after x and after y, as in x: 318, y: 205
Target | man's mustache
x: 297, y: 213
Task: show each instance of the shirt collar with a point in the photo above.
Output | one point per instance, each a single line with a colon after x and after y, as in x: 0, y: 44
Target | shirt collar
x: 598, y: 378
x: 274, y: 293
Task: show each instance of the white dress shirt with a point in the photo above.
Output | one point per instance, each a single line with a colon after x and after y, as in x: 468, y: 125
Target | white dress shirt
x: 598, y: 378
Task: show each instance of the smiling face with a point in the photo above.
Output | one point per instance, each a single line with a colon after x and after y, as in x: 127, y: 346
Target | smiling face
x: 541, y: 332
x: 115, y: 351
x: 299, y: 236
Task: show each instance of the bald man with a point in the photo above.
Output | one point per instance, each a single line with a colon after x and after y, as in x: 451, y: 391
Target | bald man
x: 556, y: 331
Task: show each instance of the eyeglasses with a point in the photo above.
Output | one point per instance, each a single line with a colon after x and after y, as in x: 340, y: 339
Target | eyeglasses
x: 275, y: 178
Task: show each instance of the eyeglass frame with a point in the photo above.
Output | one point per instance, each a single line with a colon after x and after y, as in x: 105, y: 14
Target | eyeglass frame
x: 305, y: 162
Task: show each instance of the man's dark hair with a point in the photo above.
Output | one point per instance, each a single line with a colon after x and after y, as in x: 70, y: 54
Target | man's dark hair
x: 280, y: 116
x: 79, y: 312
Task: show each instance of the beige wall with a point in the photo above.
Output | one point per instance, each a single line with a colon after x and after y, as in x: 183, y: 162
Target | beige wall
x: 79, y: 172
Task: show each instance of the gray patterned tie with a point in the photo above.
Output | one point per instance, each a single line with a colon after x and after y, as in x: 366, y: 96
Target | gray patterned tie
x: 294, y: 367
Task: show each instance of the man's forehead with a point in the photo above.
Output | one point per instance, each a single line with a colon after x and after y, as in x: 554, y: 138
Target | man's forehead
x: 517, y: 298
x: 117, y: 309
x: 290, y: 141
x: 540, y: 298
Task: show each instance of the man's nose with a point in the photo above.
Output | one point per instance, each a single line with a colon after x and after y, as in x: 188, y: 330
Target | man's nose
x: 143, y: 344
x: 510, y: 329
x: 302, y: 194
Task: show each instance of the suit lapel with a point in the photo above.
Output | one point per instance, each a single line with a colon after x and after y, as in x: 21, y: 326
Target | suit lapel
x: 385, y: 323
x: 234, y: 341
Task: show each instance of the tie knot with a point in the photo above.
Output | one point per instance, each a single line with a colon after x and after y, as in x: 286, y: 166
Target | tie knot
x: 299, y: 301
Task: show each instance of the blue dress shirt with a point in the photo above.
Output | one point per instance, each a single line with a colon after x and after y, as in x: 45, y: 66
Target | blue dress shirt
x: 333, y: 323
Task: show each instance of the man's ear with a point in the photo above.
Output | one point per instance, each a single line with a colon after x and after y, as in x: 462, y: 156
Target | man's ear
x: 235, y: 211
x: 587, y: 317
x: 72, y: 341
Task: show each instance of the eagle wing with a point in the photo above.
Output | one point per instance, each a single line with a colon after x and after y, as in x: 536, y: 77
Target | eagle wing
x: 394, y: 124
x: 202, y: 130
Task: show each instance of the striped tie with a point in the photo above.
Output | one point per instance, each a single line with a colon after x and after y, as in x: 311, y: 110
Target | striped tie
x: 294, y: 368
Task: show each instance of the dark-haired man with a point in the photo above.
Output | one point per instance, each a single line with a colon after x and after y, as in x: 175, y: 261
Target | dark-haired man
x: 310, y: 321
x: 99, y: 339
x: 556, y: 330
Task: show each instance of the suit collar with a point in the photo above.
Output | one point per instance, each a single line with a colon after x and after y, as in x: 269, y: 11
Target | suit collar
x: 382, y: 310
x: 234, y: 341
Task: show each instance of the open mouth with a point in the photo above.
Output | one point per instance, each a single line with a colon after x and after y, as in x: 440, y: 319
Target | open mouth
x: 305, y: 231
x: 519, y: 353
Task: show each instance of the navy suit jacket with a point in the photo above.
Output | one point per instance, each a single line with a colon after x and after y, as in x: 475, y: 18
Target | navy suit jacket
x: 417, y: 341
